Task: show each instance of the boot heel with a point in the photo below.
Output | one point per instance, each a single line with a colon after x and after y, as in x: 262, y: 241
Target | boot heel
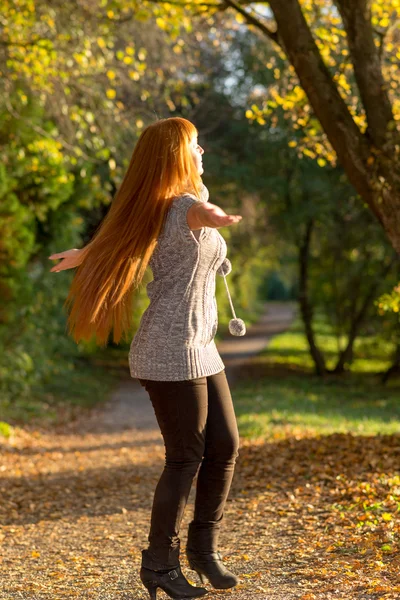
x: 211, y: 567
x: 174, y: 584
x: 152, y: 589
x: 202, y: 577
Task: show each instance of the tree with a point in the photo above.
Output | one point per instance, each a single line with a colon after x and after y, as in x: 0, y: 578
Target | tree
x: 343, y: 55
x: 370, y: 158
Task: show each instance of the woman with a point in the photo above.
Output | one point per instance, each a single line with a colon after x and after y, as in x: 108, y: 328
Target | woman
x: 161, y: 217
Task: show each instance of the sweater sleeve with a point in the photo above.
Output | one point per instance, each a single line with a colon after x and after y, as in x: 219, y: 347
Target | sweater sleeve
x: 177, y: 218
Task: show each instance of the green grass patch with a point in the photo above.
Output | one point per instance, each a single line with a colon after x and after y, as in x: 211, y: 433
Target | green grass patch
x: 289, y: 404
x: 279, y: 394
x: 371, y: 354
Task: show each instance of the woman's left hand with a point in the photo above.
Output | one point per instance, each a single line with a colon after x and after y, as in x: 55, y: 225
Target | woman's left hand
x: 70, y: 259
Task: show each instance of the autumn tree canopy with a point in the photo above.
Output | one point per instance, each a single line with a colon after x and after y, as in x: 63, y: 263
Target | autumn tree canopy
x: 344, y: 55
x: 341, y: 87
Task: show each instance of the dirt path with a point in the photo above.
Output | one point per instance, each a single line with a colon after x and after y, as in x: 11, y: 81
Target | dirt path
x: 76, y: 502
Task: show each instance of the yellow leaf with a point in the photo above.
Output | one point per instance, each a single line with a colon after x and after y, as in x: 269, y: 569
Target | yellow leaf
x: 35, y: 554
x: 387, y: 516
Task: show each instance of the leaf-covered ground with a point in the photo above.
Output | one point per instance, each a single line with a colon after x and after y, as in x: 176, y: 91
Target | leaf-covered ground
x: 309, y: 516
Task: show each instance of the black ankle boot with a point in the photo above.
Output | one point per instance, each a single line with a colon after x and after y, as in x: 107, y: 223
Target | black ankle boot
x: 173, y: 582
x: 204, y: 558
x: 211, y: 566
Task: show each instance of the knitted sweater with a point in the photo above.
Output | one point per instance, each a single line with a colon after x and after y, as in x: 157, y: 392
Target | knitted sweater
x: 175, y: 338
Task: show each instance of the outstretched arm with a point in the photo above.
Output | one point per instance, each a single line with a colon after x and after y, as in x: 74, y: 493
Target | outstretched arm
x: 205, y: 214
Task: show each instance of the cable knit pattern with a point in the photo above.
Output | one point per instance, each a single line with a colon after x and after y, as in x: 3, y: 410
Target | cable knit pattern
x: 175, y: 339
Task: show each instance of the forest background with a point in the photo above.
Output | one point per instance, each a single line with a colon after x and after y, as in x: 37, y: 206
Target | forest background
x: 298, y: 111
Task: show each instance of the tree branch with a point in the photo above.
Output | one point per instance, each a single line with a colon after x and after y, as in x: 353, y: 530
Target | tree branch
x: 356, y: 16
x: 251, y: 20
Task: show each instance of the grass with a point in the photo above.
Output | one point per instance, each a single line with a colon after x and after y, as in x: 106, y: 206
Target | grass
x: 278, y: 395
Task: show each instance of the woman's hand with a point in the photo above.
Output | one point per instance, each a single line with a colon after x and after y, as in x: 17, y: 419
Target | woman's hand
x: 211, y: 215
x: 70, y: 259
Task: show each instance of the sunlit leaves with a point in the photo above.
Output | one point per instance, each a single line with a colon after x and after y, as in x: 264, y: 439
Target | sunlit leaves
x: 390, y: 303
x: 331, y: 39
x: 78, y: 60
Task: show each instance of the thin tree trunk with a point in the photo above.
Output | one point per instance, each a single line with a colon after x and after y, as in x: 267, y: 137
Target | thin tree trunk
x: 304, y: 300
x: 347, y: 354
x: 356, y: 16
x: 394, y: 367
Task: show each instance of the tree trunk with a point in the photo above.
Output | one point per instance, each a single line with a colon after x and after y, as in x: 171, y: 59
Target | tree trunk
x: 347, y: 354
x: 304, y: 301
x: 394, y: 367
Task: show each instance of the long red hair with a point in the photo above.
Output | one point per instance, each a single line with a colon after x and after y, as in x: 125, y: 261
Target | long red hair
x: 114, y: 262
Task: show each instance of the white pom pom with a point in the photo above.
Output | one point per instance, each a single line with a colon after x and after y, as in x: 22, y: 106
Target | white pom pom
x: 237, y: 327
x: 225, y: 268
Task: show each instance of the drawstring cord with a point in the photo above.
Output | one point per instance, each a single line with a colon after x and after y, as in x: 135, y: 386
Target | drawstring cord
x: 236, y: 326
x: 229, y: 296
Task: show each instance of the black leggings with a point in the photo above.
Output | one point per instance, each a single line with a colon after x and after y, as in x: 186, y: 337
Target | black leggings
x: 198, y: 424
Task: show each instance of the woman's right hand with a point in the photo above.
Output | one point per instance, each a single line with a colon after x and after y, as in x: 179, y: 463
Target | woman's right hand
x: 70, y: 259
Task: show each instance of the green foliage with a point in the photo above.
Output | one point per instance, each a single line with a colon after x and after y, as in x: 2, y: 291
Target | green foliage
x: 39, y: 213
x: 5, y: 429
x: 390, y: 302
